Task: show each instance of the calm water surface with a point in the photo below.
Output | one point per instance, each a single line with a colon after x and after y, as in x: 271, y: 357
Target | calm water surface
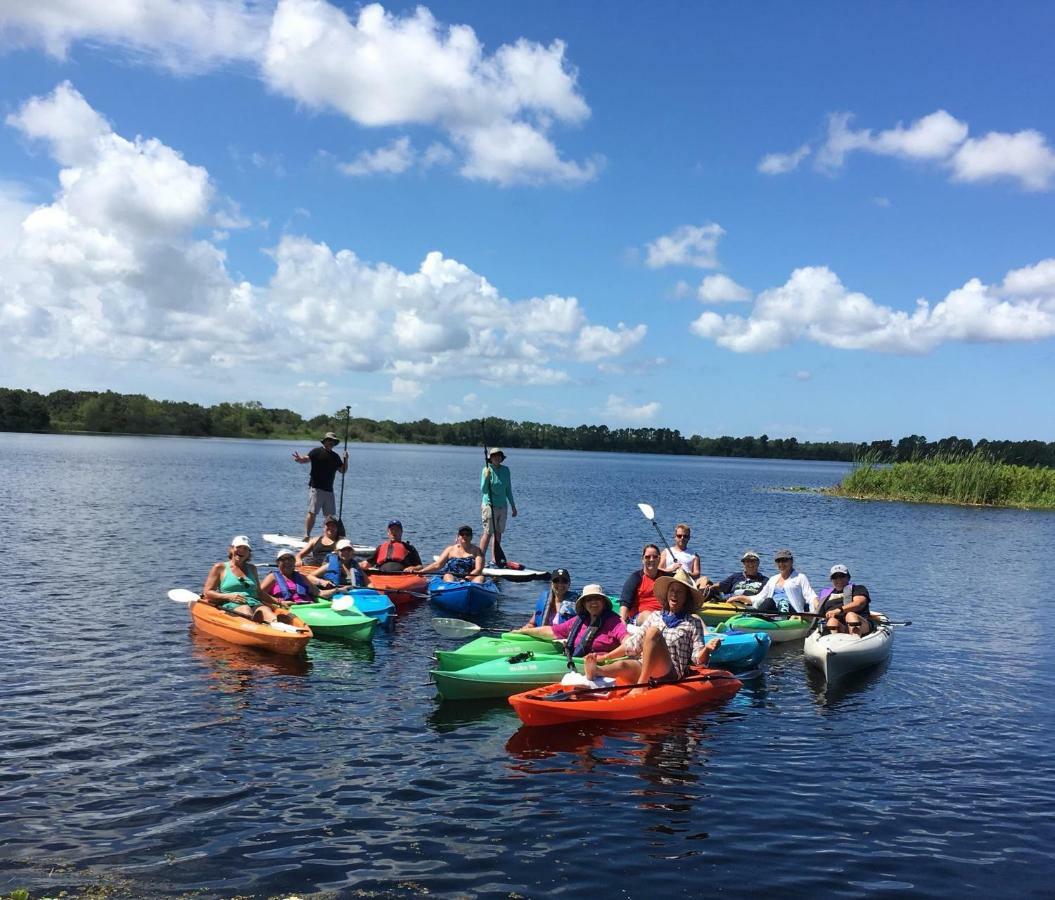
x: 137, y: 755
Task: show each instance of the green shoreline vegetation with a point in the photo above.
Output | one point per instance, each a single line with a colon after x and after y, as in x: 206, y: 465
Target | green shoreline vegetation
x: 108, y: 412
x: 966, y: 479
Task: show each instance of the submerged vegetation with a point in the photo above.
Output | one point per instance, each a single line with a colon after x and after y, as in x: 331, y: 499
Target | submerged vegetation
x: 973, y: 479
x: 108, y: 412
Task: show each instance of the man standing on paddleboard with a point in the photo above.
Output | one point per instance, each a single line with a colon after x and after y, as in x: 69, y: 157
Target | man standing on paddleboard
x: 496, y: 499
x: 325, y: 464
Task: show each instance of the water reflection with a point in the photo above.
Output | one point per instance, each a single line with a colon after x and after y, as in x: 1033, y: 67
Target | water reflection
x: 235, y: 669
x: 447, y: 717
x: 829, y: 696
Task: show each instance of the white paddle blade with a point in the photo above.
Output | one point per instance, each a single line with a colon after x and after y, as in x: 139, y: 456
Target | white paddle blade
x: 340, y: 604
x: 647, y: 511
x: 182, y: 595
x: 454, y: 628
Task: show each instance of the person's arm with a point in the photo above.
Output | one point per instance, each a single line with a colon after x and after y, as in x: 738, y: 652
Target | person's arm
x: 478, y: 563
x: 507, y: 479
x: 211, y: 591
x: 627, y: 600
x: 301, y: 457
x: 859, y: 600
x: 543, y: 631
x: 413, y: 557
x: 307, y: 549
x: 265, y: 585
x: 433, y: 566
x: 765, y: 593
x: 809, y: 595
x: 344, y: 463
x: 694, y: 569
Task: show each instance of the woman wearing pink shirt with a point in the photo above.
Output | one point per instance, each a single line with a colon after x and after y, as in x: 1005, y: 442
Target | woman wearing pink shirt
x: 594, y: 629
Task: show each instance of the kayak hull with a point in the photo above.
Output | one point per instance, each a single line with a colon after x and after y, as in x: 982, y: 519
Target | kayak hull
x: 618, y: 705
x: 467, y: 598
x: 370, y: 603
x: 503, y: 678
x: 401, y: 588
x: 288, y: 540
x: 485, y: 649
x: 247, y: 633
x: 837, y: 655
x: 327, y: 623
x: 779, y: 630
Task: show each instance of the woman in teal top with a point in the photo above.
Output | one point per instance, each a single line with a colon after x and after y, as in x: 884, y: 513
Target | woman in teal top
x: 234, y: 586
x: 496, y: 501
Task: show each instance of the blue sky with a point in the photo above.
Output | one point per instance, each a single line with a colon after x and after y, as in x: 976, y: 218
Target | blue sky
x: 826, y: 221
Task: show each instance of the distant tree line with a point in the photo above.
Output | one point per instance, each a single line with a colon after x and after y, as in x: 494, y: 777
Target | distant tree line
x: 111, y: 413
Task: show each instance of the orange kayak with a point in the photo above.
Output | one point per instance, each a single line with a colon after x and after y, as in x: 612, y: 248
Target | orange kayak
x: 701, y: 686
x: 400, y: 588
x: 247, y: 633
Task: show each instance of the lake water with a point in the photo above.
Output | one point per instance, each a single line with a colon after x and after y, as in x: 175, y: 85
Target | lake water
x: 138, y: 756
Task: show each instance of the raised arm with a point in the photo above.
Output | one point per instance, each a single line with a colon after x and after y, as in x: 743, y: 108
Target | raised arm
x: 433, y: 566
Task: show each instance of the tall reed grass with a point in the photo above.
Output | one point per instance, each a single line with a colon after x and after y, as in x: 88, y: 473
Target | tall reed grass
x: 973, y: 478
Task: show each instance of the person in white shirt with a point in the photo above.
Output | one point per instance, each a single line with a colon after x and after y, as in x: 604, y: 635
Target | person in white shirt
x: 788, y: 591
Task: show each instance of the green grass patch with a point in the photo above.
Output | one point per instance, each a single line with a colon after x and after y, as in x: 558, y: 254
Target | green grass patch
x: 971, y: 479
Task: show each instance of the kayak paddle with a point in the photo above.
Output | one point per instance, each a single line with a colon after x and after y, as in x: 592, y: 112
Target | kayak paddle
x: 649, y: 513
x: 456, y: 628
x: 648, y: 685
x: 182, y: 595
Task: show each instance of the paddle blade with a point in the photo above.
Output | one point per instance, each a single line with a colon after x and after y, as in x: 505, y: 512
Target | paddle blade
x: 647, y: 511
x: 340, y: 604
x: 182, y: 595
x: 454, y: 628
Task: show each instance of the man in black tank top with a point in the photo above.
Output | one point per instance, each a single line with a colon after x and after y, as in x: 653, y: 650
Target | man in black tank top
x: 325, y: 464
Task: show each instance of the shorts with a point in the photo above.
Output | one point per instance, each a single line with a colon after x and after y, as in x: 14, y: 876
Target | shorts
x: 321, y: 502
x: 501, y: 514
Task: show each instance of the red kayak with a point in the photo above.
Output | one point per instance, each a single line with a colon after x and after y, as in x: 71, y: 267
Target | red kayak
x: 400, y: 588
x: 703, y: 685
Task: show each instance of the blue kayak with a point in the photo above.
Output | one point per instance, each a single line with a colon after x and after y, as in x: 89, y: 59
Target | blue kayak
x: 739, y: 650
x: 467, y: 598
x: 370, y: 603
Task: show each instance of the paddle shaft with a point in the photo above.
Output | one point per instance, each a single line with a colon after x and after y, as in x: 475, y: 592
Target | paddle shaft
x: 648, y: 685
x: 661, y: 537
x: 340, y: 509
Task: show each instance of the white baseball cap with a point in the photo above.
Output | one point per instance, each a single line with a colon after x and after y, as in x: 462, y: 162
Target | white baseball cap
x: 240, y: 540
x: 344, y: 542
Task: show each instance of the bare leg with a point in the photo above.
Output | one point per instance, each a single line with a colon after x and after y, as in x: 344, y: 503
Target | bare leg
x: 309, y: 523
x: 479, y: 579
x: 624, y: 670
x: 856, y: 625
x: 655, y: 657
x: 834, y: 625
x: 484, y: 542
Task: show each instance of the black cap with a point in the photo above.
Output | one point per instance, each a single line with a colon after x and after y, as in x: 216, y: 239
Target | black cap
x: 560, y: 573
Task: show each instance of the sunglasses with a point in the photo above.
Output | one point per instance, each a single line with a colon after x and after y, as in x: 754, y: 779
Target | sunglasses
x: 686, y: 536
x: 650, y: 556
x: 783, y: 559
x: 839, y: 575
x: 561, y: 581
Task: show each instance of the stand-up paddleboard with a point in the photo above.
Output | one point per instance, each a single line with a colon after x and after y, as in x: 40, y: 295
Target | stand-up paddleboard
x: 287, y: 540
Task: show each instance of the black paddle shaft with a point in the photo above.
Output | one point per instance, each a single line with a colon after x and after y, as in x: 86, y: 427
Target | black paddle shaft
x: 340, y: 509
x: 651, y: 683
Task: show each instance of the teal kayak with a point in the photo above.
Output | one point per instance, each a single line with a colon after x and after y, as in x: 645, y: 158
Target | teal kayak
x: 327, y: 623
x: 484, y: 649
x: 779, y: 630
x: 504, y: 677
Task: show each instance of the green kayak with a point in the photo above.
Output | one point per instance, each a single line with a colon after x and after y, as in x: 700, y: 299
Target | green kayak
x: 501, y: 678
x: 327, y: 623
x: 484, y: 649
x: 779, y: 630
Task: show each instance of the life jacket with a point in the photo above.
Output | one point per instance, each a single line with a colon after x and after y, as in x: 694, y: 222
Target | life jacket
x: 300, y: 585
x: 335, y: 572
x: 392, y: 551
x: 564, y: 611
x: 570, y: 648
x: 847, y: 595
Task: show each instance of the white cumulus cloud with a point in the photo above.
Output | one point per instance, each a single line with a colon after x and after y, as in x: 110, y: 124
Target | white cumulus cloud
x: 939, y: 138
x: 814, y: 305
x: 623, y: 412
x: 780, y: 163
x: 112, y: 268
x: 377, y: 68
x: 687, y: 245
x: 721, y: 289
x: 393, y: 158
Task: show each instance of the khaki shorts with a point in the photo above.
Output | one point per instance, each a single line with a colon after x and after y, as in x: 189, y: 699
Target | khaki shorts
x: 321, y: 501
x: 501, y: 514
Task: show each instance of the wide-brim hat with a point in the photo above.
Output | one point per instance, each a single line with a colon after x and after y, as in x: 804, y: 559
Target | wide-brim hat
x: 664, y: 582
x: 591, y: 590
x: 496, y: 451
x: 329, y: 436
